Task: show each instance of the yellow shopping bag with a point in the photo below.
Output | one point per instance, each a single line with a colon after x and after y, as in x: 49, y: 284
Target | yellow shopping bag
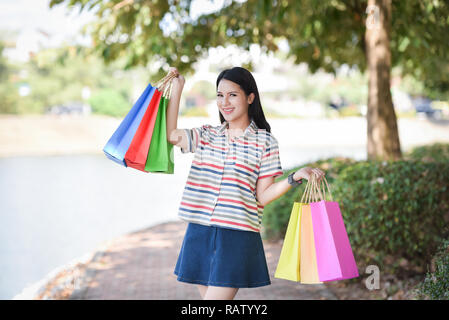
x: 288, y: 265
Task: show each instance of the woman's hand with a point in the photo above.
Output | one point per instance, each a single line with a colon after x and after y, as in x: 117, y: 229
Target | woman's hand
x: 306, y: 173
x: 178, y: 81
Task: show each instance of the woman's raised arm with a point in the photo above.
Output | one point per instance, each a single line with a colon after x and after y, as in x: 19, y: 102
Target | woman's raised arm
x: 175, y: 136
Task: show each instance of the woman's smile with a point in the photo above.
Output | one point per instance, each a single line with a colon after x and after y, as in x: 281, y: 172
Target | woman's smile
x: 228, y: 110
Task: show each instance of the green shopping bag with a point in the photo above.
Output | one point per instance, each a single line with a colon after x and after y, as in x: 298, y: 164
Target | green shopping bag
x: 159, y: 159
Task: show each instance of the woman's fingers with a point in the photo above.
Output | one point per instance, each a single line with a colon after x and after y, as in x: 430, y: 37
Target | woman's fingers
x: 308, y: 172
x: 318, y: 173
x: 173, y: 70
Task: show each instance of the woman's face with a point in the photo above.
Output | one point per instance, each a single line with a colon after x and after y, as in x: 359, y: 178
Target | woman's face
x: 232, y: 100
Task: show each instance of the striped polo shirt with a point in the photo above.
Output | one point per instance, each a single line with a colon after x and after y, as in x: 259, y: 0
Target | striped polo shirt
x: 221, y: 185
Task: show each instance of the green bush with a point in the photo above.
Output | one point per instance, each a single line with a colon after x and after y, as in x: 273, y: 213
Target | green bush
x: 394, y: 212
x: 436, y: 284
x: 109, y: 102
x: 438, y: 152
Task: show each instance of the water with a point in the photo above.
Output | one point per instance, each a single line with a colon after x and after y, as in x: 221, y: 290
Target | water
x: 54, y: 209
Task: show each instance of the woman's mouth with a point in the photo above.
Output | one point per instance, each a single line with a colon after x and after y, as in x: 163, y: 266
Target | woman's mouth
x: 228, y: 110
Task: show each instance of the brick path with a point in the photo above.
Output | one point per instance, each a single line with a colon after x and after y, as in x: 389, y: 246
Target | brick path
x: 140, y: 266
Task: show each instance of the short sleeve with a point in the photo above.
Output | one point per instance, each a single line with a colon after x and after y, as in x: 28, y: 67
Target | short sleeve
x: 270, y: 164
x: 194, y: 136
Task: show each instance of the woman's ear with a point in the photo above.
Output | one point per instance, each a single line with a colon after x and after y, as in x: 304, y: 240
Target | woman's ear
x: 251, y: 98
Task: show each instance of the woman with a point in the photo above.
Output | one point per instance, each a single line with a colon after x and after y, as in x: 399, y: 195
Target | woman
x: 231, y: 179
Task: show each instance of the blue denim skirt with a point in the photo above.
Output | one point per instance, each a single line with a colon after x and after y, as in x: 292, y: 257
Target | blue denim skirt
x: 221, y: 257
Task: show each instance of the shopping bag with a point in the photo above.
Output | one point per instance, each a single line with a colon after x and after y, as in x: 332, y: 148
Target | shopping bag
x: 289, y: 261
x: 316, y: 247
x: 297, y: 261
x: 335, y: 259
x: 129, y: 145
x: 308, y: 266
x: 116, y: 147
x: 159, y: 158
x: 136, y: 156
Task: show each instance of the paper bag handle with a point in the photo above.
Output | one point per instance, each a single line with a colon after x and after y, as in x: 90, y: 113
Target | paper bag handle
x: 315, y: 191
x: 309, y: 191
x: 321, y: 189
x: 305, y: 193
x: 161, y: 84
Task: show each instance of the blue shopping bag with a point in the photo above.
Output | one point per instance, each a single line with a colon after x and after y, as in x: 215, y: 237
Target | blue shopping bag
x: 119, y: 142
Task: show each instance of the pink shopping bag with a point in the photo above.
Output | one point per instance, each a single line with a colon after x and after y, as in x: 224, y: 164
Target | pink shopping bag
x: 335, y: 259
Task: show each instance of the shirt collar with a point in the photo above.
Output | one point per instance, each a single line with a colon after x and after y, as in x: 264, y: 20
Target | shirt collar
x: 252, y: 128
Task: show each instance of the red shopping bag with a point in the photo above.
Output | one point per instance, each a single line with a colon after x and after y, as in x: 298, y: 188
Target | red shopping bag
x: 137, y: 153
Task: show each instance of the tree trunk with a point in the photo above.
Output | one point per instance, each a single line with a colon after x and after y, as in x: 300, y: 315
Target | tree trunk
x: 383, y: 136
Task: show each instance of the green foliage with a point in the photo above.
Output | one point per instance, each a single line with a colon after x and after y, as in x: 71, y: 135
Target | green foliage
x: 109, y: 102
x: 132, y: 30
x: 8, y: 92
x: 436, y: 284
x: 8, y: 97
x: 55, y: 77
x: 58, y: 76
x: 324, y: 34
x: 438, y: 152
x: 393, y: 211
x: 4, y: 67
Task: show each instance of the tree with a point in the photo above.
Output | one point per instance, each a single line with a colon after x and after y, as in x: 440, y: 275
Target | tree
x: 57, y: 76
x: 383, y: 136
x: 325, y: 34
x: 8, y: 91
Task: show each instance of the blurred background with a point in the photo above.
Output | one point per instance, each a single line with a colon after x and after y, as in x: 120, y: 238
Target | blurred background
x: 70, y: 71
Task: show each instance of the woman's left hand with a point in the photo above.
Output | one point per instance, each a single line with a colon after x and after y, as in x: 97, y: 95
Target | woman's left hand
x: 306, y: 172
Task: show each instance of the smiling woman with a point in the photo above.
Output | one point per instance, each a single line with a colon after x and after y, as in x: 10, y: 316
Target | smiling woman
x: 233, y: 105
x: 230, y: 181
x: 238, y: 99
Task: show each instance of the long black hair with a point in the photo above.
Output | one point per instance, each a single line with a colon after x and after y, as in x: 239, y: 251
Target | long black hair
x: 246, y: 81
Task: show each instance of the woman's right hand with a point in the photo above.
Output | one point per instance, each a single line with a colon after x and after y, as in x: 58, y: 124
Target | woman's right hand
x: 307, y: 172
x: 178, y: 81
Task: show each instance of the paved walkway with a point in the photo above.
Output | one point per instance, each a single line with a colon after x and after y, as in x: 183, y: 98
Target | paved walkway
x: 140, y: 266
